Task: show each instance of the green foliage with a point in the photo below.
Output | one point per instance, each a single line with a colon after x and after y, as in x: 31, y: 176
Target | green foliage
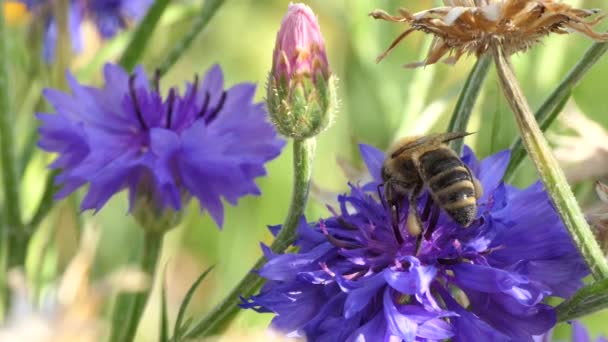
x: 181, y: 326
x: 379, y: 103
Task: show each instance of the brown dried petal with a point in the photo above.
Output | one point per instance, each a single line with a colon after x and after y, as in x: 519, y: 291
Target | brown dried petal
x: 467, y: 26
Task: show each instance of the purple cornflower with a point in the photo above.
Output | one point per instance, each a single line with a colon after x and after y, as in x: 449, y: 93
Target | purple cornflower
x: 352, y: 280
x: 580, y: 333
x: 207, y: 143
x: 109, y: 17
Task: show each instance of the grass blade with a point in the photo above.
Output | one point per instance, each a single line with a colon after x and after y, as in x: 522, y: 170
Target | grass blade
x: 142, y: 35
x: 178, y: 329
x: 206, y: 14
x: 467, y: 99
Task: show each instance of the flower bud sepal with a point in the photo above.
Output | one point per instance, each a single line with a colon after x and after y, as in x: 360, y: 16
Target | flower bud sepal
x: 302, y: 108
x: 152, y: 218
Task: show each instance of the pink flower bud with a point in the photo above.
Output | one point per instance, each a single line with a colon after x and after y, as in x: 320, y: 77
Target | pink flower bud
x: 300, y: 50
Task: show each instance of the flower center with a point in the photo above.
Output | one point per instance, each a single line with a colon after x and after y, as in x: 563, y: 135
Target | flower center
x: 205, y: 113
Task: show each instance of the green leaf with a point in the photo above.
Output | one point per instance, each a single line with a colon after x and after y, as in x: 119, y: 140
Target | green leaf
x: 468, y: 98
x: 589, y: 299
x: 179, y: 325
x: 206, y: 14
x: 142, y: 35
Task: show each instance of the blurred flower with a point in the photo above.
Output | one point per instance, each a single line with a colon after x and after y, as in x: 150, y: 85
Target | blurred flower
x: 352, y: 280
x: 472, y: 26
x: 109, y: 17
x: 598, y: 218
x: 208, y: 143
x: 14, y: 12
x: 301, y: 91
x: 72, y: 311
x: 580, y: 333
x: 584, y: 154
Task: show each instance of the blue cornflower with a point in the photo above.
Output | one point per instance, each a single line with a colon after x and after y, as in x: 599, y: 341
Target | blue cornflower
x: 353, y: 280
x: 109, y: 17
x: 207, y: 143
x: 579, y: 334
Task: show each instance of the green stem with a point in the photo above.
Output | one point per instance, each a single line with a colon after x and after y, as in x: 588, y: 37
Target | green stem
x: 10, y: 178
x: 46, y: 201
x: 589, y: 299
x: 218, y: 319
x: 11, y: 223
x: 549, y: 110
x: 467, y: 99
x: 129, y: 307
x: 548, y: 168
x: 207, y: 12
x: 142, y: 35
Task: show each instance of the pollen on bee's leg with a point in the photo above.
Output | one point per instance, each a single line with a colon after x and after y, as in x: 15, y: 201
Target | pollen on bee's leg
x: 413, y: 224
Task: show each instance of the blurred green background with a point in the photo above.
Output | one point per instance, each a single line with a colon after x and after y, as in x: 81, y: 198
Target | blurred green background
x: 378, y: 103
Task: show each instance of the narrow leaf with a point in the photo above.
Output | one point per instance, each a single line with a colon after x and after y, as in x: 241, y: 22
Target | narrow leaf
x: 182, y: 309
x: 467, y: 99
x: 589, y: 299
x: 205, y: 16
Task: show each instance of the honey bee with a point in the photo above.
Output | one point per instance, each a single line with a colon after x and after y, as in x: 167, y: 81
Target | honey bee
x: 416, y: 162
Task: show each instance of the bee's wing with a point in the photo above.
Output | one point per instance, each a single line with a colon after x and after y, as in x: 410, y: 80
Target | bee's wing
x: 431, y: 139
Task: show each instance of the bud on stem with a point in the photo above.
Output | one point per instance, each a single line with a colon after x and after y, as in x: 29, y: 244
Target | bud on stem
x: 301, y: 89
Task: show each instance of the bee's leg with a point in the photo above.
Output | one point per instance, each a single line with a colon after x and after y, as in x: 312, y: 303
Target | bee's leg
x: 395, y: 223
x: 427, y: 208
x: 393, y: 200
x: 382, y: 200
x: 414, y: 223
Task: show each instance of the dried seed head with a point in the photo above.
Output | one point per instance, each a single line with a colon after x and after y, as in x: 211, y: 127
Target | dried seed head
x: 472, y: 26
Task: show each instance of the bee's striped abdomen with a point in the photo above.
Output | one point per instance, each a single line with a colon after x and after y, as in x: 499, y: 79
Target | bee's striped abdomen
x: 450, y: 183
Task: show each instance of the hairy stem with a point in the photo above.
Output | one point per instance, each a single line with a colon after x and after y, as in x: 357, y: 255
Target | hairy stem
x: 218, y: 319
x: 548, y: 168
